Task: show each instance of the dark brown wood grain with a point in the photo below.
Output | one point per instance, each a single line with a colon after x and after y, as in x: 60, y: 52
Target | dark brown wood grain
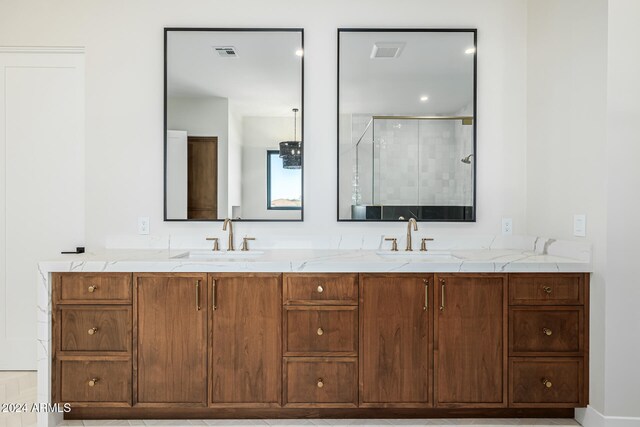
x: 109, y: 288
x: 245, y: 365
x: 302, y: 413
x: 546, y: 331
x: 527, y: 388
x: 338, y: 377
x: 471, y: 340
x: 395, y: 340
x: 113, y: 381
x: 202, y: 177
x: 110, y: 328
x: 563, y: 288
x: 171, y: 365
x: 337, y: 288
x: 320, y: 330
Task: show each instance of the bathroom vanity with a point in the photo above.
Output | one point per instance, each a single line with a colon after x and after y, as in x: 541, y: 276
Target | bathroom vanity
x: 342, y: 334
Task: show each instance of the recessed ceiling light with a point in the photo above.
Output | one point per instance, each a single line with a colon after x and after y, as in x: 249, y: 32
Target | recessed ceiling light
x: 470, y: 51
x: 299, y: 52
x: 424, y: 98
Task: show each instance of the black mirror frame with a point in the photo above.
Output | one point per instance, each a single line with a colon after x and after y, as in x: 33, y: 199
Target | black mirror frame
x: 474, y: 31
x: 164, y: 129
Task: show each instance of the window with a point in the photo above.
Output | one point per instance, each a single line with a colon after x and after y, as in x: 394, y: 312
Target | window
x: 284, y: 186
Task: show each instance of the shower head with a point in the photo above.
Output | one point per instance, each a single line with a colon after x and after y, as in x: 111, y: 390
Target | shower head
x: 467, y: 160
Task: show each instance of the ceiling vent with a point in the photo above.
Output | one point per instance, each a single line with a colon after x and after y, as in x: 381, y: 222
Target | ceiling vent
x: 226, y: 51
x: 387, y: 50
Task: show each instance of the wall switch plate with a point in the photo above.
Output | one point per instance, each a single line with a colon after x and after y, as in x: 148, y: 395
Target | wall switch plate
x: 143, y: 225
x: 507, y: 226
x: 580, y: 225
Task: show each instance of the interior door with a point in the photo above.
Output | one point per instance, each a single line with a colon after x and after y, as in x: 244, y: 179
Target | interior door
x: 42, y: 196
x: 202, y: 191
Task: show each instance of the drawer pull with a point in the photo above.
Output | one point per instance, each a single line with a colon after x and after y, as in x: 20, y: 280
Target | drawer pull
x: 547, y: 383
x: 320, y: 289
x: 442, y: 295
x: 93, y: 382
x: 92, y: 288
x: 92, y: 331
x: 546, y: 289
x: 547, y: 331
x: 320, y: 383
x: 320, y: 331
x: 213, y: 294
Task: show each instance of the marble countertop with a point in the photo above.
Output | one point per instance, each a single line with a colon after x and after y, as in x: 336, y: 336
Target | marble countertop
x: 325, y: 260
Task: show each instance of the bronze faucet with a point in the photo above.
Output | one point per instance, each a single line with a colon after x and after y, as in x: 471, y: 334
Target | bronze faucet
x: 224, y: 228
x: 415, y: 228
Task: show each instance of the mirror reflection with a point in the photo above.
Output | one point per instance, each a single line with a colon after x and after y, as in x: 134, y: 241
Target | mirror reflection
x: 233, y: 124
x: 406, y: 125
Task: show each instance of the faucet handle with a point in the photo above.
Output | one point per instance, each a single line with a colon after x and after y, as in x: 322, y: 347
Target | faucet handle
x: 394, y: 243
x: 216, y: 245
x: 423, y: 245
x: 245, y: 243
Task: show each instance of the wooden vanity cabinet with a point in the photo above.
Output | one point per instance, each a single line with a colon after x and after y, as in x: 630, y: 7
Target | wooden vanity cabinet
x: 295, y: 345
x: 170, y: 364
x: 92, y: 329
x: 396, y: 340
x: 245, y: 340
x: 471, y: 340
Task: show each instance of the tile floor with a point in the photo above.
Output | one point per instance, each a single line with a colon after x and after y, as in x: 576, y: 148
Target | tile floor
x: 20, y: 387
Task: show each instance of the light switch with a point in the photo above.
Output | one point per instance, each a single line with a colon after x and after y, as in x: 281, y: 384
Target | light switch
x: 143, y: 225
x: 580, y: 225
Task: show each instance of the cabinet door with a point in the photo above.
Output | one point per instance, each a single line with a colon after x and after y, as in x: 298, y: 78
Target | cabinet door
x: 470, y: 340
x: 395, y: 340
x: 171, y: 339
x: 246, y: 339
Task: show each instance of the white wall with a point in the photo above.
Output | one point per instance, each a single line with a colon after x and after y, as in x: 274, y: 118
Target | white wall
x: 566, y: 138
x: 259, y: 135
x: 177, y: 174
x: 125, y: 59
x: 207, y: 116
x: 235, y: 161
x: 622, y: 344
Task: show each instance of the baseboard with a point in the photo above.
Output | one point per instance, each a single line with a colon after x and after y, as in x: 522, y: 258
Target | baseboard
x: 590, y: 417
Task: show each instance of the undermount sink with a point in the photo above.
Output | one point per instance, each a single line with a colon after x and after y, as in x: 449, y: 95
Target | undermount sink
x: 214, y: 255
x: 414, y: 254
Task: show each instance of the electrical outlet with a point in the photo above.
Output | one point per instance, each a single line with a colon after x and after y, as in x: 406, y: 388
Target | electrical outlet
x: 580, y: 225
x: 507, y: 226
x: 143, y: 225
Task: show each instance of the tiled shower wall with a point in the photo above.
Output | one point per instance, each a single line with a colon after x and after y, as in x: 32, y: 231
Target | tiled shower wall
x: 414, y: 161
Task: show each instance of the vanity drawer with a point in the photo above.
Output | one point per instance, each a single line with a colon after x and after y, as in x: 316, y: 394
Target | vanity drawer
x: 337, y: 289
x: 94, y: 328
x: 546, y: 331
x: 95, y: 381
x: 546, y: 382
x: 541, y: 289
x: 93, y: 288
x: 321, y: 331
x: 315, y: 381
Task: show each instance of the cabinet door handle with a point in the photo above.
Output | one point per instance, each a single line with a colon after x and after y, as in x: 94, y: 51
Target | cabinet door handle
x: 442, y: 295
x: 213, y: 296
x: 92, y: 331
x: 547, y: 383
x: 547, y: 331
x: 320, y: 383
x: 426, y: 294
x: 197, y: 295
x: 93, y: 382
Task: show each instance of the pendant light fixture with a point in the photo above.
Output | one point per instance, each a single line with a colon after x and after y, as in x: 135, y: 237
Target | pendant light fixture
x: 291, y: 151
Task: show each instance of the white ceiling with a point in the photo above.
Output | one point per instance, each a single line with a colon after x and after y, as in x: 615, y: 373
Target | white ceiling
x: 432, y: 64
x: 264, y: 80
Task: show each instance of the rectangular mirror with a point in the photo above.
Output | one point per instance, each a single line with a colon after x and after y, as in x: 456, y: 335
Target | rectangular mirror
x: 406, y: 124
x: 233, y: 124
